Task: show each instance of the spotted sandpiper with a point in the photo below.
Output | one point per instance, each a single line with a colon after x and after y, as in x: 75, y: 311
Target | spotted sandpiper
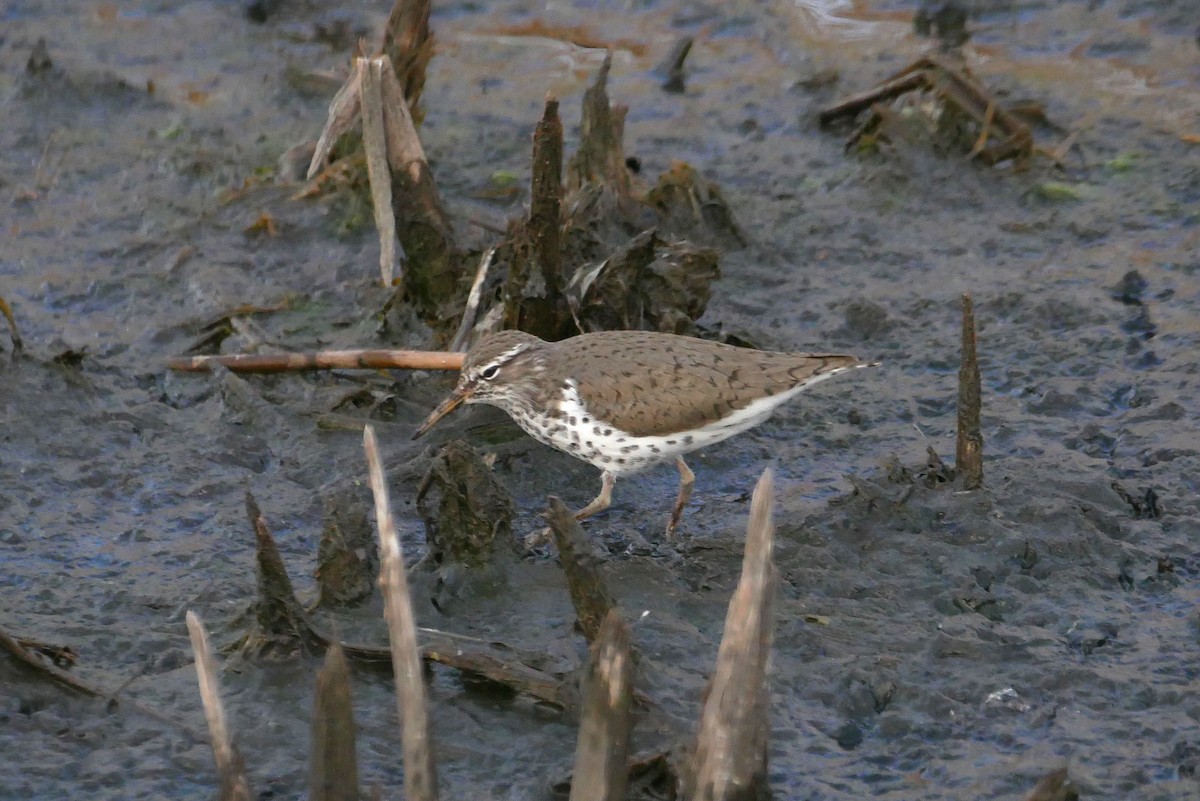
x: 627, y: 400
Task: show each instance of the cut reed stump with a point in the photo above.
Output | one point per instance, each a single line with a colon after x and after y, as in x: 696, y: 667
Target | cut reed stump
x: 601, y: 773
x: 969, y: 450
x: 589, y: 593
x: 730, y: 757
x: 333, y: 767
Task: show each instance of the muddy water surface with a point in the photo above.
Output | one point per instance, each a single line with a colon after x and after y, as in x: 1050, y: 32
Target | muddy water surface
x: 932, y: 644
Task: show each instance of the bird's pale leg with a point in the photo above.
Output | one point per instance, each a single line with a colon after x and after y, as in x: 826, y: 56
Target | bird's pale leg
x: 686, y: 480
x: 601, y: 501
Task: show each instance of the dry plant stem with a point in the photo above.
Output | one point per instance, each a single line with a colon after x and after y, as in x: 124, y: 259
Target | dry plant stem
x: 731, y: 746
x: 600, y: 758
x: 343, y: 112
x: 969, y: 450
x: 471, y: 310
x: 588, y: 591
x: 322, y: 360
x: 230, y: 769
x: 333, y: 769
x: 420, y: 776
x: 375, y: 145
x: 14, y: 333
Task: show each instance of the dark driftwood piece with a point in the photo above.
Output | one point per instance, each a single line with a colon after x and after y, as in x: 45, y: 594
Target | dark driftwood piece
x: 730, y: 758
x: 969, y: 451
x: 333, y: 766
x: 281, y: 625
x: 420, y: 773
x: 231, y: 770
x: 956, y: 87
x: 601, y: 773
x: 26, y: 662
x: 588, y: 591
x: 322, y: 360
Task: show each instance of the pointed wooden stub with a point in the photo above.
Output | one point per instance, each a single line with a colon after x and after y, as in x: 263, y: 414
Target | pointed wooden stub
x: 730, y: 758
x: 601, y: 773
x: 969, y: 450
x: 333, y: 767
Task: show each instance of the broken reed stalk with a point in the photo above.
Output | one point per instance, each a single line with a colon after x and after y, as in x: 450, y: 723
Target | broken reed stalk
x: 378, y: 177
x: 588, y: 591
x: 601, y: 773
x: 969, y: 449
x: 321, y: 360
x: 420, y: 774
x: 231, y: 771
x: 333, y: 767
x: 730, y: 760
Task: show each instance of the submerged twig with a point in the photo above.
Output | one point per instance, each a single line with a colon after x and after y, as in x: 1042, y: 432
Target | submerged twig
x: 231, y: 770
x: 730, y: 759
x: 969, y: 450
x: 420, y: 773
x: 322, y: 360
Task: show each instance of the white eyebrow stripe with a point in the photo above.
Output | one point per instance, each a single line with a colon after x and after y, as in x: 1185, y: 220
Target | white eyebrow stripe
x: 503, y: 357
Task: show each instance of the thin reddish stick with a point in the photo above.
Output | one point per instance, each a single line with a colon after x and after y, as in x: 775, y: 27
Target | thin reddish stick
x: 322, y: 360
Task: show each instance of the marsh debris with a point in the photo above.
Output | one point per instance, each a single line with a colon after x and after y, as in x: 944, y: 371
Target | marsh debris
x: 467, y: 511
x: 347, y: 559
x: 964, y: 109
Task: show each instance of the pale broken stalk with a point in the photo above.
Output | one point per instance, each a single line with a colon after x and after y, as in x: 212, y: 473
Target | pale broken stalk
x: 420, y: 777
x: 362, y: 95
x: 230, y: 771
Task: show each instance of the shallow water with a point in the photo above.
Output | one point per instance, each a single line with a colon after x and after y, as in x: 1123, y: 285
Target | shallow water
x: 950, y: 646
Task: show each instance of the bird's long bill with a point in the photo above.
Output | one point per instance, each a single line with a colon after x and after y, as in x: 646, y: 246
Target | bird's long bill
x: 444, y: 408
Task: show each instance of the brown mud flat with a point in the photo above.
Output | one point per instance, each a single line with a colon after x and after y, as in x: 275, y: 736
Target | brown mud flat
x: 931, y: 643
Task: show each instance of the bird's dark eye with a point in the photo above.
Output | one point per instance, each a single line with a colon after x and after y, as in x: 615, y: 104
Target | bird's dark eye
x: 489, y: 372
